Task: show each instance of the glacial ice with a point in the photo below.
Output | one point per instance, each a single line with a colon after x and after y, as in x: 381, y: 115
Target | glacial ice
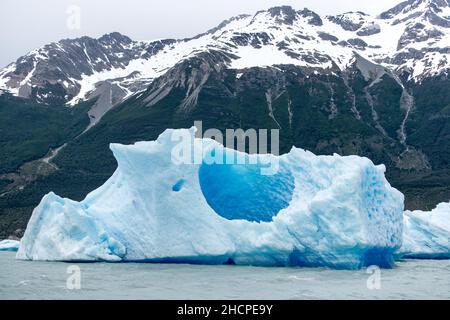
x: 9, y: 245
x: 332, y: 211
x: 426, y: 235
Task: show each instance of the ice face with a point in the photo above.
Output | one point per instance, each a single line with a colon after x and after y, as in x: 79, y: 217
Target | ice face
x: 427, y: 234
x: 240, y: 191
x: 9, y: 245
x: 332, y: 211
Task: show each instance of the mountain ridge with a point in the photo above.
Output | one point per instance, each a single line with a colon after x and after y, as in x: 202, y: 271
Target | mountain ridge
x: 68, y: 71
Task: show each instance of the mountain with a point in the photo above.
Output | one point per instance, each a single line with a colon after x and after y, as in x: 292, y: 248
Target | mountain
x: 412, y: 37
x: 347, y: 84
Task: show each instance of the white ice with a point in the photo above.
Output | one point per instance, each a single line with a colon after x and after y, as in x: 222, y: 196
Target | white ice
x: 427, y: 234
x: 332, y: 211
x: 9, y: 245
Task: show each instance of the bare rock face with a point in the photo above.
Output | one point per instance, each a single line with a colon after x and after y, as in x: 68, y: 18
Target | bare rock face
x: 348, y: 22
x: 369, y: 30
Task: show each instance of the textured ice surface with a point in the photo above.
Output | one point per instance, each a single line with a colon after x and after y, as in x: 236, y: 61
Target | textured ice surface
x: 330, y: 211
x: 238, y: 191
x: 9, y: 245
x: 427, y: 234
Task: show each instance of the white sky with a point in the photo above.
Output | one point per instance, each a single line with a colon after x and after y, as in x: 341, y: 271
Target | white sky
x: 29, y: 24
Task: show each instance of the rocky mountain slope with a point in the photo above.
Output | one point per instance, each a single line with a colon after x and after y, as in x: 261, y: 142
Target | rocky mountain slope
x: 412, y: 37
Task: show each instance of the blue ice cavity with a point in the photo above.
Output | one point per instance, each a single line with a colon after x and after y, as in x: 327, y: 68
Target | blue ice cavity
x: 241, y: 190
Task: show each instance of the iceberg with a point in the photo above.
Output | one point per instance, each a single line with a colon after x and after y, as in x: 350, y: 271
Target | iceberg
x: 9, y: 245
x: 332, y: 211
x: 426, y: 235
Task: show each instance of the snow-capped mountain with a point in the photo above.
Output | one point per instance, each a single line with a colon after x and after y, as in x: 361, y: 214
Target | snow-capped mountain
x: 412, y: 37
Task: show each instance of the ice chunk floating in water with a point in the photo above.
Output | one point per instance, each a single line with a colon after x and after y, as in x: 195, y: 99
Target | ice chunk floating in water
x: 332, y: 211
x: 427, y: 234
x: 239, y: 191
x: 9, y: 245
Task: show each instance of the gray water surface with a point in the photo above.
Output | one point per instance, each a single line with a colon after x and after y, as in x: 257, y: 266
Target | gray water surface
x: 411, y: 279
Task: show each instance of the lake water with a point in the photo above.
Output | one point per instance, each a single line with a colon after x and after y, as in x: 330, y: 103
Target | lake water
x: 411, y: 279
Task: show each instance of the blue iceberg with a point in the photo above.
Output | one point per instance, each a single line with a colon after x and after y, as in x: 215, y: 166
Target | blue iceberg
x: 331, y: 211
x: 9, y: 245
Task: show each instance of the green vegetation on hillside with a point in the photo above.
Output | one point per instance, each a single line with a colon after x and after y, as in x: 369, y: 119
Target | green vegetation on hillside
x: 28, y: 130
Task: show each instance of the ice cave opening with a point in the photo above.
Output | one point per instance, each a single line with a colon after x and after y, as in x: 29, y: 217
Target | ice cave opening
x: 240, y: 191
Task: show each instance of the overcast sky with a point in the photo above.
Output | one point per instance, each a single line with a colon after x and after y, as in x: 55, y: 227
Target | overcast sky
x: 29, y: 24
